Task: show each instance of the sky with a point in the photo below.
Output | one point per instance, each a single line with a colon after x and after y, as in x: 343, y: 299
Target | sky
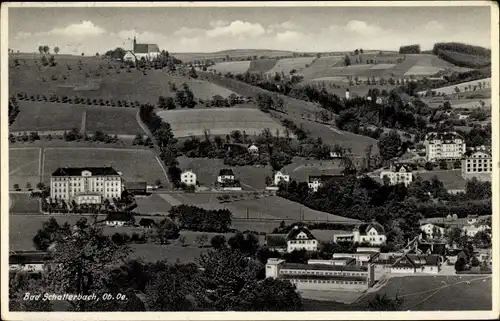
x: 305, y: 29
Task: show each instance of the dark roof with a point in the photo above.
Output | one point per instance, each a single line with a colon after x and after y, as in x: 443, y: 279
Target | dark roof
x: 135, y: 185
x: 77, y: 171
x: 276, y: 240
x: 119, y: 216
x: 365, y: 227
x: 446, y: 136
x: 397, y: 167
x: 31, y: 257
x: 226, y: 171
x: 145, y: 48
x: 322, y: 267
x: 415, y: 260
x: 292, y: 235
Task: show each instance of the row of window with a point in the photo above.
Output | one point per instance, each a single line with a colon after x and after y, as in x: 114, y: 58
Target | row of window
x: 310, y: 272
x: 61, y: 179
x: 326, y: 281
x: 304, y: 242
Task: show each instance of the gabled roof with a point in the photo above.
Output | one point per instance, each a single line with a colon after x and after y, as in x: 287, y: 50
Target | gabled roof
x: 325, y: 178
x: 119, y: 216
x: 438, y: 249
x: 77, y: 171
x: 226, y: 172
x: 445, y: 136
x: 294, y: 232
x: 365, y: 227
x: 416, y: 261
x: 145, y: 48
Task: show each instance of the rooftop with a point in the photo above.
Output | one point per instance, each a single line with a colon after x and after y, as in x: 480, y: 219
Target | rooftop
x: 322, y: 277
x: 321, y: 267
x: 226, y: 171
x: 145, y: 48
x: 32, y: 257
x: 119, y: 216
x: 77, y: 171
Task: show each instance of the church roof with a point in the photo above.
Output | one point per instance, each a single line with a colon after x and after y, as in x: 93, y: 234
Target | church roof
x: 145, y: 48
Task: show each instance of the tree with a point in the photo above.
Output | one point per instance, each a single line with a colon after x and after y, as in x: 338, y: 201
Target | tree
x: 460, y: 264
x: 270, y: 295
x: 40, y: 49
x: 218, y: 241
x: 482, y: 239
x: 21, y: 283
x: 166, y: 229
x: 46, y: 49
x: 269, y: 181
x: 56, y: 50
x: 28, y: 186
x: 347, y: 60
x: 474, y: 261
x: 385, y: 303
x: 443, y: 164
x: 79, y: 261
x: 453, y: 235
x: 477, y: 190
x: 192, y: 73
x: 389, y: 145
x: 428, y: 166
x: 16, y: 187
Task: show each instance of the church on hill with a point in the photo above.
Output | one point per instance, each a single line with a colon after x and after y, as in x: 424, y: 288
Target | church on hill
x: 142, y: 51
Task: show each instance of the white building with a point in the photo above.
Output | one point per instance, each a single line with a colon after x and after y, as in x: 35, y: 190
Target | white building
x: 145, y: 51
x: 253, y: 150
x: 225, y: 175
x: 347, y: 96
x: 118, y: 219
x: 188, y: 177
x: 478, y: 165
x: 432, y: 230
x: 85, y: 184
x: 444, y: 146
x: 417, y: 264
x: 398, y: 173
x: 372, y: 233
x: 129, y: 56
x: 28, y: 261
x: 280, y: 177
x: 472, y: 230
x: 327, y: 277
x: 299, y: 238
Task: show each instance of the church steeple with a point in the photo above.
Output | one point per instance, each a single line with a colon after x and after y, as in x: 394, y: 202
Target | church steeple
x: 135, y: 42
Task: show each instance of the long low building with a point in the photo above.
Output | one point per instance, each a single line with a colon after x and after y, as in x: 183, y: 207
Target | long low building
x: 322, y: 276
x: 28, y: 261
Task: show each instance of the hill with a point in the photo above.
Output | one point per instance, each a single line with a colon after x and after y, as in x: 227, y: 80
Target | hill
x: 463, y: 55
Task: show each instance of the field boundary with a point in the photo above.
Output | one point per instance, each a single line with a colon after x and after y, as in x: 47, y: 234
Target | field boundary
x: 162, y: 168
x: 84, y: 122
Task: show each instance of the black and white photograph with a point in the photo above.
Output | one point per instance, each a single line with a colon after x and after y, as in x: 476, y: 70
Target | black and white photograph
x: 289, y: 157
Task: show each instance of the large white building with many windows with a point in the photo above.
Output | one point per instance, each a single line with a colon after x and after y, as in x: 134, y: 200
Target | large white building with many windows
x: 85, y: 184
x: 444, y: 146
x: 478, y: 165
x: 398, y: 173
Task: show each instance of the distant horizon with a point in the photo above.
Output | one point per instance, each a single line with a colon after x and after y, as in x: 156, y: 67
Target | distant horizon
x: 213, y: 29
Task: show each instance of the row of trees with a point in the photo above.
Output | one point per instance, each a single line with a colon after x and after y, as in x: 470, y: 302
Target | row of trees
x: 77, y: 100
x: 409, y: 49
x: 198, y: 219
x: 46, y: 49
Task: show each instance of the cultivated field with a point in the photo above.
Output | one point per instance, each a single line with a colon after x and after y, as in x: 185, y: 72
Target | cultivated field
x: 47, y: 116
x: 321, y: 67
x: 153, y: 204
x: 451, y: 179
x: 449, y: 90
x: 24, y: 166
x: 262, y: 65
x: 207, y: 170
x: 94, y: 82
x: 22, y: 203
x: 135, y: 164
x: 288, y: 64
x: 234, y: 67
x: 219, y: 121
x: 432, y: 293
x: 235, y: 53
x: 112, y: 120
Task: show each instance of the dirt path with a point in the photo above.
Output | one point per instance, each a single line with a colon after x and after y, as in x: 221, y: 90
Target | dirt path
x: 84, y: 121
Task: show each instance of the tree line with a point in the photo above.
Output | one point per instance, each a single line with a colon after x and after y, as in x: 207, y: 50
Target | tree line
x: 409, y: 49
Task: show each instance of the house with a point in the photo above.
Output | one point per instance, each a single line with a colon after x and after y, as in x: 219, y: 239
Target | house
x: 225, y: 175
x: 479, y: 165
x: 462, y: 116
x: 372, y: 233
x: 299, y: 238
x: 325, y: 277
x: 398, y: 173
x: 145, y: 51
x: 428, y: 248
x: 129, y: 56
x: 338, y: 261
x: 347, y: 96
x: 28, y: 261
x: 280, y: 177
x: 316, y: 181
x: 472, y: 230
x: 432, y: 230
x: 444, y: 146
x: 417, y: 264
x: 472, y: 219
x: 136, y: 188
x: 119, y: 219
x: 85, y: 184
x: 362, y: 255
x: 253, y: 150
x: 188, y: 177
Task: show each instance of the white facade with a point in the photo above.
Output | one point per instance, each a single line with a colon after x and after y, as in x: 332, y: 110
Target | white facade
x: 253, y: 149
x: 129, y: 56
x: 373, y: 237
x: 115, y: 223
x: 225, y: 178
x: 432, y: 230
x: 302, y: 242
x: 398, y: 175
x: 280, y: 177
x: 447, y: 146
x: 85, y: 187
x: 29, y: 268
x: 147, y: 56
x: 471, y: 230
x: 476, y: 164
x: 315, y: 185
x: 188, y: 177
